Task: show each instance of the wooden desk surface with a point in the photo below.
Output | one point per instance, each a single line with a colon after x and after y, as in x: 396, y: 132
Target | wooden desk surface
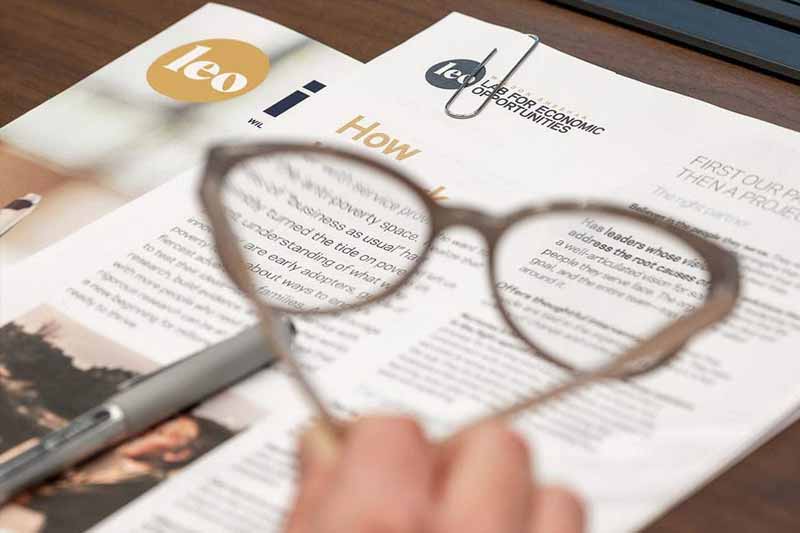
x: 47, y: 45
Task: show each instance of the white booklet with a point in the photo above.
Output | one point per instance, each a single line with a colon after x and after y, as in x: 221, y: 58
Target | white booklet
x: 562, y: 128
x: 124, y: 130
x: 218, y: 73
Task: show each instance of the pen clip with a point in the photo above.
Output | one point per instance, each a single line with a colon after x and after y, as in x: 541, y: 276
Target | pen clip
x: 70, y: 444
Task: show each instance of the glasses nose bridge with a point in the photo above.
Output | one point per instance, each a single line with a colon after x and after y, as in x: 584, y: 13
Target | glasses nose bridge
x: 489, y: 226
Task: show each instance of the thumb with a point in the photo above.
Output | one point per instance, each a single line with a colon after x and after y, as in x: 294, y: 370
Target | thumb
x: 319, y: 454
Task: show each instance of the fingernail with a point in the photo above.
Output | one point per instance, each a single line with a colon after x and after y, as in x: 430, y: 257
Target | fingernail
x: 319, y: 446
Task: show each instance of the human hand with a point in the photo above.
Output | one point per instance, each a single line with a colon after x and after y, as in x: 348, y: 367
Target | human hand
x: 387, y: 477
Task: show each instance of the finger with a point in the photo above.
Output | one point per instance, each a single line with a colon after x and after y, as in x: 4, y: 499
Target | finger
x: 486, y: 483
x: 318, y: 457
x: 557, y: 510
x: 383, y: 480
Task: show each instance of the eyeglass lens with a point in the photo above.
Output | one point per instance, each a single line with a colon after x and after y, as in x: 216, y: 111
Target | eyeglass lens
x: 321, y: 232
x: 587, y: 286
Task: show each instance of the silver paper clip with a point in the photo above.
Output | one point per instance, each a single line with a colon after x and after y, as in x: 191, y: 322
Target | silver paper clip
x: 474, y: 74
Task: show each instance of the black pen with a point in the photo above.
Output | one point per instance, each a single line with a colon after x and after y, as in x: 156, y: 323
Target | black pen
x: 11, y: 214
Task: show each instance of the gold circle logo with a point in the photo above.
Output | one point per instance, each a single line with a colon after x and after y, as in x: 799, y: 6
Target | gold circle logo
x: 209, y: 70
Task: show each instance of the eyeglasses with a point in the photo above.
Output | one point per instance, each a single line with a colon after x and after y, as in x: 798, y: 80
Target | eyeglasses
x: 599, y: 290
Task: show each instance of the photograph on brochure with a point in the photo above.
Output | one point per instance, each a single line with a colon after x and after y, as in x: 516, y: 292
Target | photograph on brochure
x: 53, y: 369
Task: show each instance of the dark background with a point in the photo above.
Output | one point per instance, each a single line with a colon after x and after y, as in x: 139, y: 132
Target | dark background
x: 47, y: 45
